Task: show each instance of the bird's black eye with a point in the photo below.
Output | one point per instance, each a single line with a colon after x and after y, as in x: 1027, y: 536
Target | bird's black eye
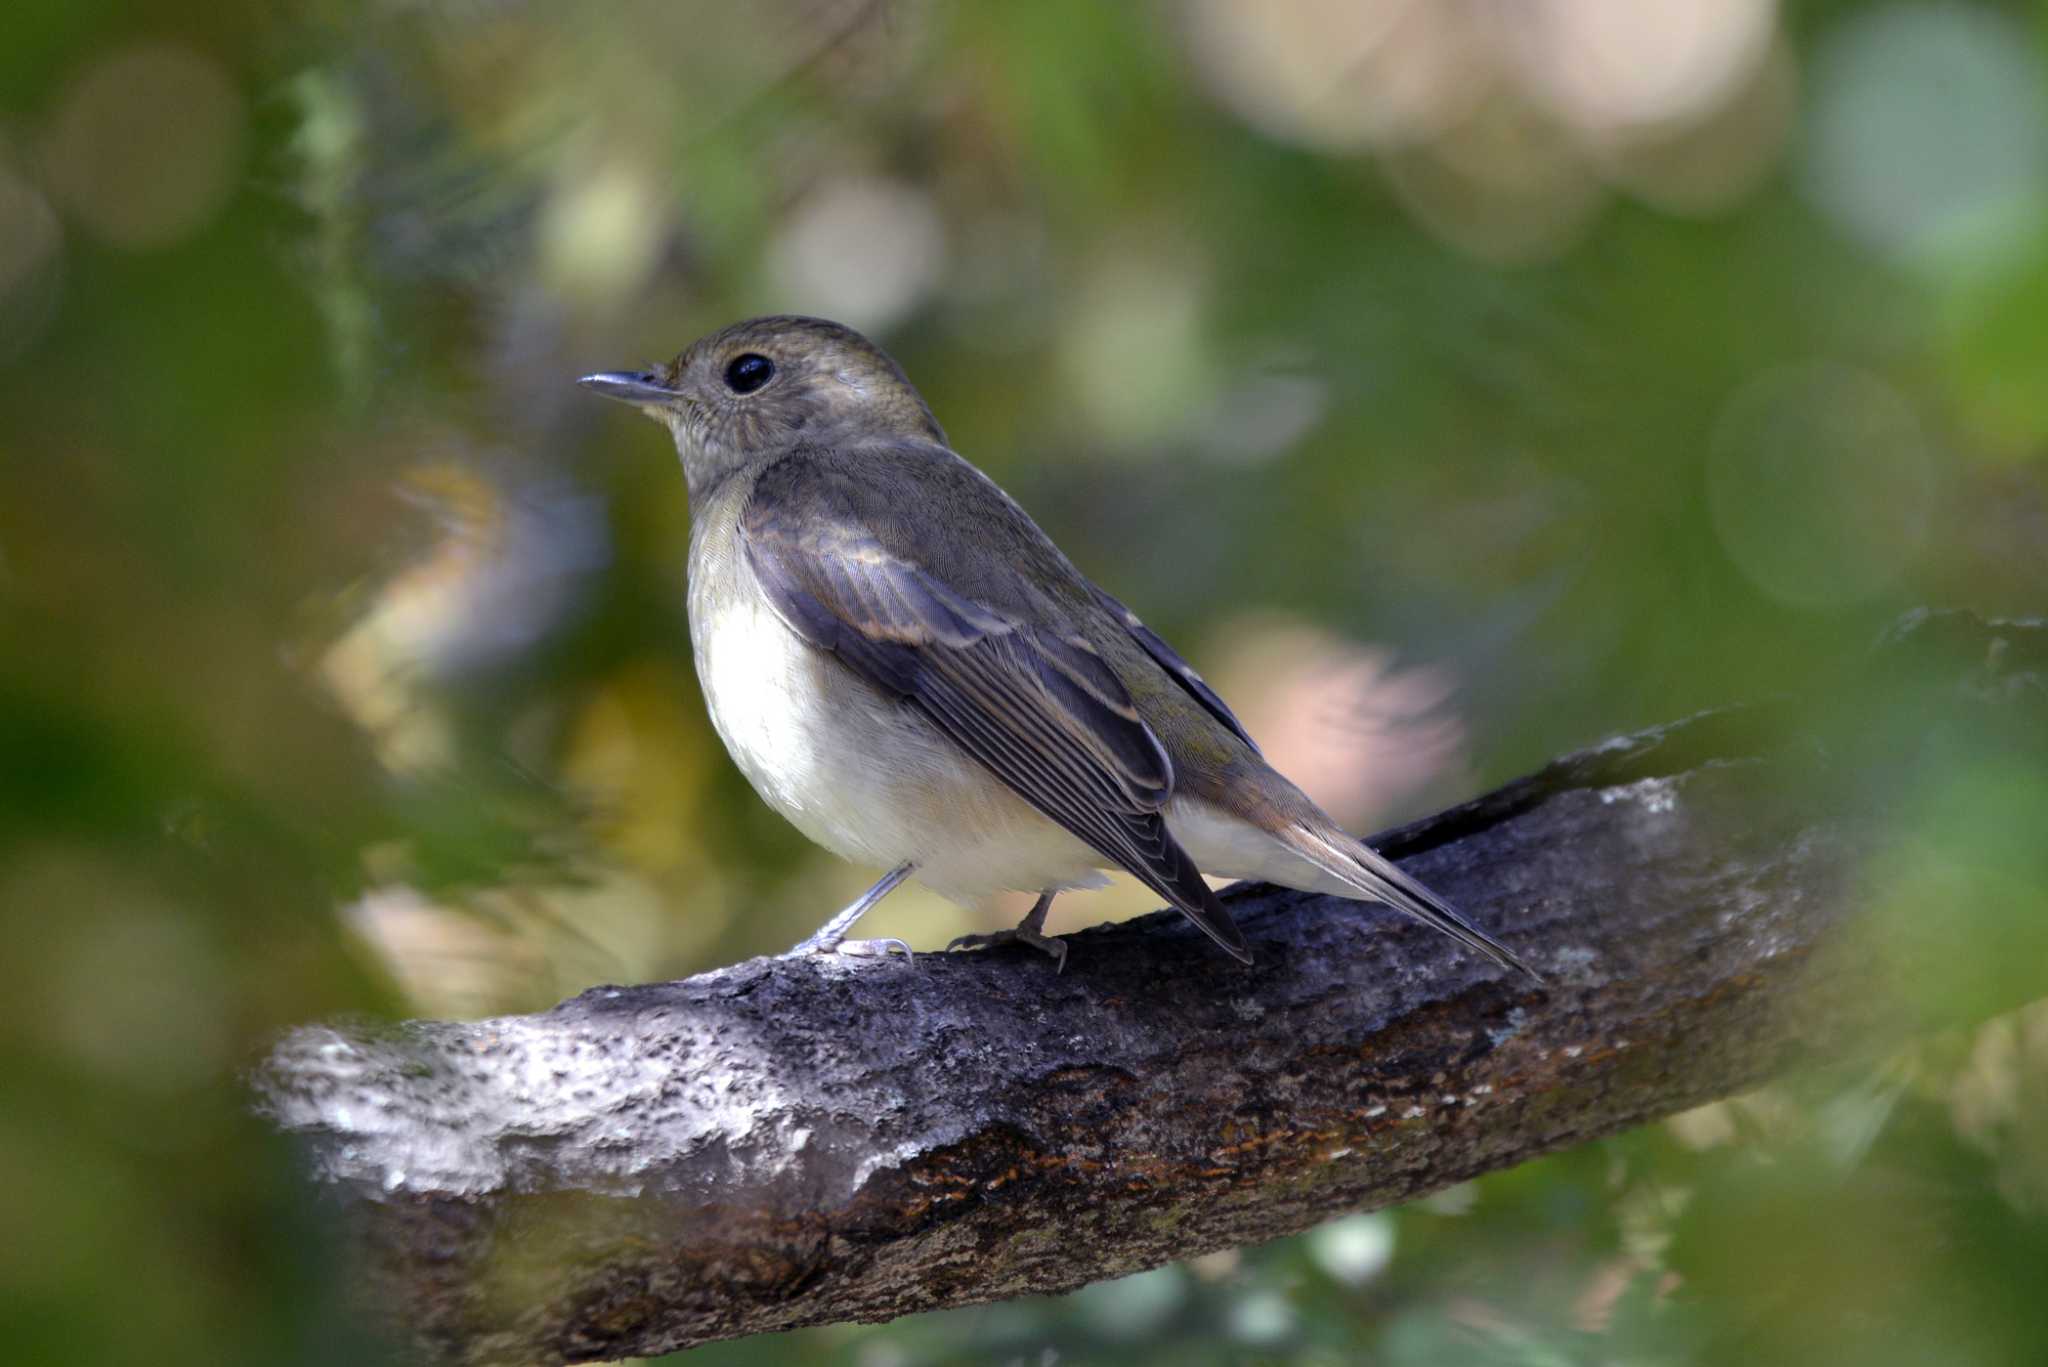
x: 749, y: 372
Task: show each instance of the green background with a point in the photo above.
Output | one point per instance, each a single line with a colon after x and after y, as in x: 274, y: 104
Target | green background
x: 1455, y: 384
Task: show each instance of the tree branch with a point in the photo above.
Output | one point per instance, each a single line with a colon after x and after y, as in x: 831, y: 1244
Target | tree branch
x: 783, y: 1143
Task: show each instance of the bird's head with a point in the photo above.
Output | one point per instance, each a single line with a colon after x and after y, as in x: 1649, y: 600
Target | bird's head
x: 752, y: 391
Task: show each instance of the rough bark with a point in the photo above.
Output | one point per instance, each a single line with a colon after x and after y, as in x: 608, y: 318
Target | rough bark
x: 786, y: 1142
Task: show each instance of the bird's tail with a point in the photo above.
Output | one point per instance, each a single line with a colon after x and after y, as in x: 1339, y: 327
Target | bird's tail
x: 1358, y: 866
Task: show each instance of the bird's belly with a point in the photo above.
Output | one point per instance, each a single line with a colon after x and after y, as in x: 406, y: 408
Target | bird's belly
x: 866, y: 775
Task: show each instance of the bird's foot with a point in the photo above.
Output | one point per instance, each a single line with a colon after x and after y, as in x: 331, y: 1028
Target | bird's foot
x: 875, y: 949
x: 830, y: 938
x: 1021, y: 935
x: 852, y: 949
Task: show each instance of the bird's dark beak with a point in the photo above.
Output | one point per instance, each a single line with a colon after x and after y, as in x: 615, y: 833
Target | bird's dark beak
x: 629, y: 386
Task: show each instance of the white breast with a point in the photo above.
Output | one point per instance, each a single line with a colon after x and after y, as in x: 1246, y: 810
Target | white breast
x: 764, y: 701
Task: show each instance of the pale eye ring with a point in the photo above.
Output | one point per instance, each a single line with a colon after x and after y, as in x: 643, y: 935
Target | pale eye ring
x: 748, y: 371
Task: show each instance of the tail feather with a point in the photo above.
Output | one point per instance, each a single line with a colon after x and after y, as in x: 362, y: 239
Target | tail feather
x: 1358, y: 866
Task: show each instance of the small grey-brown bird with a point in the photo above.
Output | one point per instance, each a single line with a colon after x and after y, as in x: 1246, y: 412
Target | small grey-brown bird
x: 909, y: 670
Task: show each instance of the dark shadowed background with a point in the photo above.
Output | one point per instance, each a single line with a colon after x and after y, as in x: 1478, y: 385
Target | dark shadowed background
x: 1455, y: 383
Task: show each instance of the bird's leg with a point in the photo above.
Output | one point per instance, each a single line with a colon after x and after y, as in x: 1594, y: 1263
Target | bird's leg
x: 1029, y: 931
x: 830, y: 938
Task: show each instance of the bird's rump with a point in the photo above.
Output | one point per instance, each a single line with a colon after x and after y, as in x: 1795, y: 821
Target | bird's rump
x: 1178, y: 669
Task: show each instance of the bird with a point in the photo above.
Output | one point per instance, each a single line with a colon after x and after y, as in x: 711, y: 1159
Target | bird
x: 906, y: 668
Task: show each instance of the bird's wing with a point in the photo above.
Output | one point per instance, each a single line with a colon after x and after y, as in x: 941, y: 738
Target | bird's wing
x: 1033, y: 701
x: 1178, y: 669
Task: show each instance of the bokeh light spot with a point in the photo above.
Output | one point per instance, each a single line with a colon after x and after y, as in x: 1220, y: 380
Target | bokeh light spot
x: 1354, y: 1249
x: 145, y: 144
x: 1136, y: 350
x: 1925, y: 118
x: 1819, y: 483
x: 602, y: 232
x: 863, y: 251
x: 1711, y: 164
x: 1337, y: 76
x: 1608, y: 63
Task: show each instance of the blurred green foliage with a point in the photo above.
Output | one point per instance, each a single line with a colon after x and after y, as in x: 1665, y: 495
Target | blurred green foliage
x: 1531, y: 374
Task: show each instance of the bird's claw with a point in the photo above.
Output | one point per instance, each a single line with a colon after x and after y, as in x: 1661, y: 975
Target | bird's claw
x: 853, y: 949
x: 874, y: 949
x: 1045, y: 944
